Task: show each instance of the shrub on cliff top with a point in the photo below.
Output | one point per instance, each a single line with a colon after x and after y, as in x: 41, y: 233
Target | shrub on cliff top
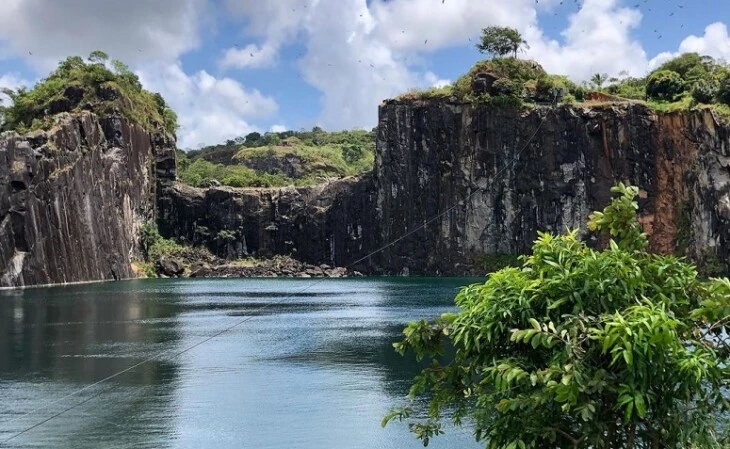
x: 78, y: 84
x: 517, y: 70
x: 723, y: 92
x: 581, y: 348
x: 664, y: 85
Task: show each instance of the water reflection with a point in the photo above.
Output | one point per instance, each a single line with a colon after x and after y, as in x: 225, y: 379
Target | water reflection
x: 314, y: 370
x: 57, y: 340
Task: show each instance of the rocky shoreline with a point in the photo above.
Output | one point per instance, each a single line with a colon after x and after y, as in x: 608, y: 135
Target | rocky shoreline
x: 204, y: 265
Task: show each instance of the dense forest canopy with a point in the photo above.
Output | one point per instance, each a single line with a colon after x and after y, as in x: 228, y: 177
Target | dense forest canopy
x: 95, y: 84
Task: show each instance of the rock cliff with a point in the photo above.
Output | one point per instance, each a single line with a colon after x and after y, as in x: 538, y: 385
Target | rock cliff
x: 73, y: 198
x: 495, y: 187
x: 331, y: 224
x: 453, y: 185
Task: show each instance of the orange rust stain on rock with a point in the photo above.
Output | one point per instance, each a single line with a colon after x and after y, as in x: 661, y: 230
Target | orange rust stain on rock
x: 647, y: 223
x: 674, y: 155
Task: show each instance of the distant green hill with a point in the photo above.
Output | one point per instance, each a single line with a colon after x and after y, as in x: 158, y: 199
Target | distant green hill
x: 280, y: 159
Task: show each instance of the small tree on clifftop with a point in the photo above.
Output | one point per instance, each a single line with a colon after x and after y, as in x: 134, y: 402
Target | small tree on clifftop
x: 501, y: 41
x: 598, y: 80
x: 581, y: 349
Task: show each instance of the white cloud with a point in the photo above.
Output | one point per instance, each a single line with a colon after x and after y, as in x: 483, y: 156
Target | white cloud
x: 426, y: 25
x: 11, y: 81
x: 715, y: 42
x: 278, y: 21
x: 597, y: 39
x: 251, y: 56
x: 45, y: 31
x: 210, y: 109
x: 358, y: 54
x: 435, y: 81
x: 14, y: 81
x: 278, y: 129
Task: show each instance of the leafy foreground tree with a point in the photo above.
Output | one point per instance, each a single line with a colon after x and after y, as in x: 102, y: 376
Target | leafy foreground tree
x: 501, y: 41
x: 580, y: 348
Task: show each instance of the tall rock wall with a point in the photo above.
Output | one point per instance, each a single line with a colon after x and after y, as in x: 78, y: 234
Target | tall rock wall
x: 332, y: 224
x: 73, y: 198
x: 494, y: 177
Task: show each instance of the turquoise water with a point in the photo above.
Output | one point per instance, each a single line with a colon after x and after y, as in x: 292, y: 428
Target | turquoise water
x: 316, y: 370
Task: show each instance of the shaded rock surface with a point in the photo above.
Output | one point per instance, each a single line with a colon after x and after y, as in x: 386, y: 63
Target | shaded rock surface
x: 472, y: 166
x: 452, y: 184
x: 332, y: 224
x: 456, y: 183
x: 73, y: 198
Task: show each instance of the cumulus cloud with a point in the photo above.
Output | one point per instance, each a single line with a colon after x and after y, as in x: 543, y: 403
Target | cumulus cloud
x: 435, y: 81
x: 278, y: 129
x: 251, y: 56
x: 597, y: 39
x: 425, y: 24
x: 210, y: 109
x: 359, y: 52
x: 276, y: 21
x: 44, y: 31
x: 715, y: 42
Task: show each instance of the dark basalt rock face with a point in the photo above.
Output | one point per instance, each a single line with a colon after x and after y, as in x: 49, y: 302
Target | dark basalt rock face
x: 453, y: 183
x: 473, y: 165
x: 73, y: 198
x: 331, y: 224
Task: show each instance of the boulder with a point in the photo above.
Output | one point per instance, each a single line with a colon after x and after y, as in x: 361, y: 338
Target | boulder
x: 170, y: 267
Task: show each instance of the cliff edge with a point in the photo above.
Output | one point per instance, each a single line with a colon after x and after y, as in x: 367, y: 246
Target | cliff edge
x: 497, y: 185
x: 73, y: 198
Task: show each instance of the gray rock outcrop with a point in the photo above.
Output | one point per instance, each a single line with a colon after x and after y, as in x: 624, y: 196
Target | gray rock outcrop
x: 73, y: 198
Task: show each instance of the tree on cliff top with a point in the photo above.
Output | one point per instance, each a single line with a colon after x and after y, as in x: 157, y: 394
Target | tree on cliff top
x: 77, y: 84
x: 598, y: 80
x: 501, y: 41
x: 581, y: 348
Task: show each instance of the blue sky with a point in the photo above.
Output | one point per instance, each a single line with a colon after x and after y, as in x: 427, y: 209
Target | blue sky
x: 230, y: 67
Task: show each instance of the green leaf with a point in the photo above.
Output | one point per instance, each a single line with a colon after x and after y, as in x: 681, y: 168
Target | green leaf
x: 640, y: 405
x: 535, y: 324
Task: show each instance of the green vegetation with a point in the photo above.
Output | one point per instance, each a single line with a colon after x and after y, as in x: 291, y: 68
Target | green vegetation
x: 517, y: 82
x: 686, y: 82
x: 689, y: 81
x: 580, y: 348
x: 280, y: 159
x: 501, y: 41
x: 598, y: 80
x: 77, y: 84
x: 490, y: 263
x: 664, y: 85
x: 154, y: 245
x: 201, y: 173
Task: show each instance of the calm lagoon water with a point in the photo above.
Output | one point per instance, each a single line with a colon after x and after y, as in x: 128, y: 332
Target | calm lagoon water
x: 314, y: 371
